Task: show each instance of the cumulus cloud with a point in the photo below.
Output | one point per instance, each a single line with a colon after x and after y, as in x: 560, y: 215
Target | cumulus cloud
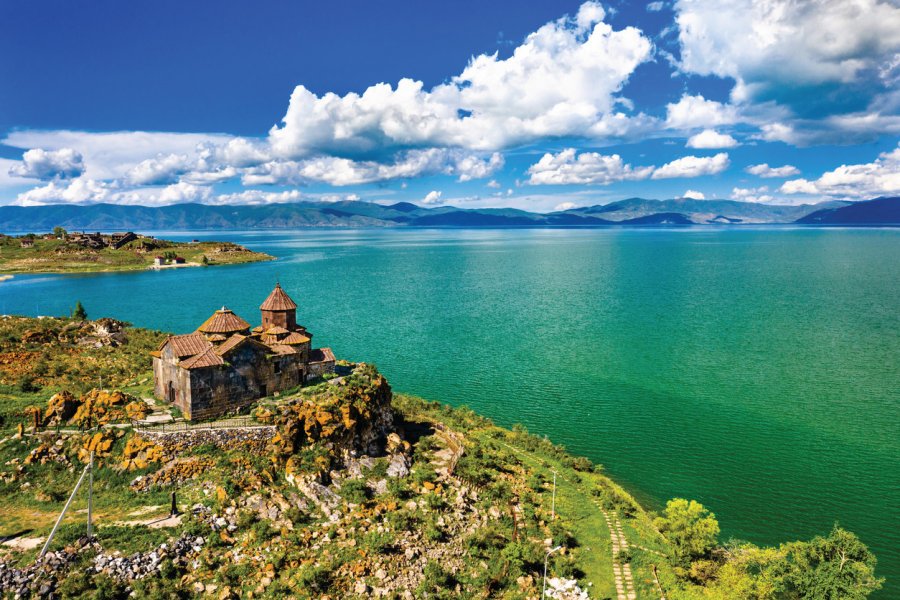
x: 586, y: 168
x: 159, y: 170
x: 710, y: 139
x: 694, y: 195
x: 765, y: 171
x: 261, y: 197
x: 814, y: 59
x: 693, y: 166
x: 565, y: 206
x: 694, y: 112
x: 339, y: 171
x: 880, y: 177
x: 759, y: 194
x: 46, y: 165
x: 112, y: 155
x: 592, y: 168
x: 562, y: 80
x: 83, y: 190
x: 432, y: 197
x: 77, y: 191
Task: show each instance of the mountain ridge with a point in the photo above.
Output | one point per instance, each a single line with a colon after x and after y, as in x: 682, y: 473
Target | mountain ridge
x: 630, y: 211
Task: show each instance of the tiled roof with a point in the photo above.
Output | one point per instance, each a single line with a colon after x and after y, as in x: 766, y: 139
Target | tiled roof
x: 224, y: 321
x: 321, y: 355
x: 217, y: 337
x: 230, y: 344
x: 187, y: 345
x: 282, y: 349
x: 295, y: 338
x: 208, y: 358
x: 278, y: 300
x: 276, y: 330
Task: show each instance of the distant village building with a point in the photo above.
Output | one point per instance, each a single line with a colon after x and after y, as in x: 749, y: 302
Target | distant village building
x: 27, y: 243
x: 159, y: 261
x: 225, y: 365
x: 117, y: 240
x: 179, y: 260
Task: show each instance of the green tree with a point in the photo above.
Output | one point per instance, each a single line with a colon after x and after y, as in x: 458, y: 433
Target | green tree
x: 79, y: 312
x: 837, y: 567
x: 204, y: 260
x: 59, y: 232
x: 690, y: 528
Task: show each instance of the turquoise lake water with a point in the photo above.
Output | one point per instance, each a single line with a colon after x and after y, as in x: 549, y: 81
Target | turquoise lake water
x: 755, y: 370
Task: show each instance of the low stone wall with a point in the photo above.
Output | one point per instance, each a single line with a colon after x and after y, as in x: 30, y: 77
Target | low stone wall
x: 177, y: 441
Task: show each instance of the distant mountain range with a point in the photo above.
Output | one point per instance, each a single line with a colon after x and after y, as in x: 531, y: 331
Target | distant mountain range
x: 633, y: 211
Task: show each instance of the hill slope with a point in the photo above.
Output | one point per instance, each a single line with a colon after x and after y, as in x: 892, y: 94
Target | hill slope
x: 341, y: 488
x: 634, y: 211
x: 880, y: 211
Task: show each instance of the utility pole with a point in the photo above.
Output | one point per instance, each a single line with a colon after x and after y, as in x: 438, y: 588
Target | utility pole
x: 553, y: 505
x: 547, y: 558
x: 88, y: 469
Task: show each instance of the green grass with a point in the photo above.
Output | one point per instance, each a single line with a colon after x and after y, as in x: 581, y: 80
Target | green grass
x: 58, y: 256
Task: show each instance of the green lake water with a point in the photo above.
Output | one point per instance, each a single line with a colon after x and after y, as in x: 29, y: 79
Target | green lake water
x: 755, y: 370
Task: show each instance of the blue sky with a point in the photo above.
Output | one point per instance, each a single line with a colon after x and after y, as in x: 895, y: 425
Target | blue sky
x: 536, y: 105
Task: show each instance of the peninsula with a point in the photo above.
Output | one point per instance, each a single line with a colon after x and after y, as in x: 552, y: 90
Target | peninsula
x: 331, y: 486
x: 61, y: 251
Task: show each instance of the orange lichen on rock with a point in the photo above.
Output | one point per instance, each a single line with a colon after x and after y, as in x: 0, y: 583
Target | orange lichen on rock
x: 60, y: 408
x: 139, y: 453
x: 99, y: 407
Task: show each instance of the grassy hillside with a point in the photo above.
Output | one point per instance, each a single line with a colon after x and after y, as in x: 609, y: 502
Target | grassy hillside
x: 61, y: 256
x: 360, y: 492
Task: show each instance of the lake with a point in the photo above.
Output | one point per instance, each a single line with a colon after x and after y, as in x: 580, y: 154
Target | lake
x: 756, y: 370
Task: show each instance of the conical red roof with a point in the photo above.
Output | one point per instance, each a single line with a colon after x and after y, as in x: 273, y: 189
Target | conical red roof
x: 224, y: 321
x: 278, y: 300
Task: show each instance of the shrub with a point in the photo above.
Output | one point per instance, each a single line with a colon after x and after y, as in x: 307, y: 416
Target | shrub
x: 355, y: 491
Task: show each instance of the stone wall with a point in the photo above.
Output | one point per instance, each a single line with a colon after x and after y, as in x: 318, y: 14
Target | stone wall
x: 317, y: 369
x: 174, y: 442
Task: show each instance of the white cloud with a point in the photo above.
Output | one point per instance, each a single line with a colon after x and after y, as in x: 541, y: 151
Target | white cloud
x: 693, y: 112
x: 693, y: 166
x: 562, y: 80
x: 752, y: 194
x: 810, y: 61
x: 764, y: 170
x: 159, y: 170
x: 111, y: 155
x: 8, y: 179
x: 590, y: 168
x: 261, y: 197
x: 880, y: 177
x: 655, y: 6
x: 565, y: 206
x: 493, y: 184
x: 76, y: 191
x: 83, y: 190
x: 694, y: 195
x: 586, y: 168
x: 710, y: 139
x: 46, y: 165
x: 339, y: 171
x: 432, y: 197
x: 474, y: 167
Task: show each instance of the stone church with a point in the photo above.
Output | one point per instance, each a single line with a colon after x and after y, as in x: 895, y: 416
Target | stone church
x: 225, y: 365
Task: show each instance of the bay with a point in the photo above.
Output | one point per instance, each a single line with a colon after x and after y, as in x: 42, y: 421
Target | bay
x: 756, y: 370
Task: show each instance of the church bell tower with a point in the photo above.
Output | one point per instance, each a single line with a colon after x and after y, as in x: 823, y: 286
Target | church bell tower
x: 279, y: 310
